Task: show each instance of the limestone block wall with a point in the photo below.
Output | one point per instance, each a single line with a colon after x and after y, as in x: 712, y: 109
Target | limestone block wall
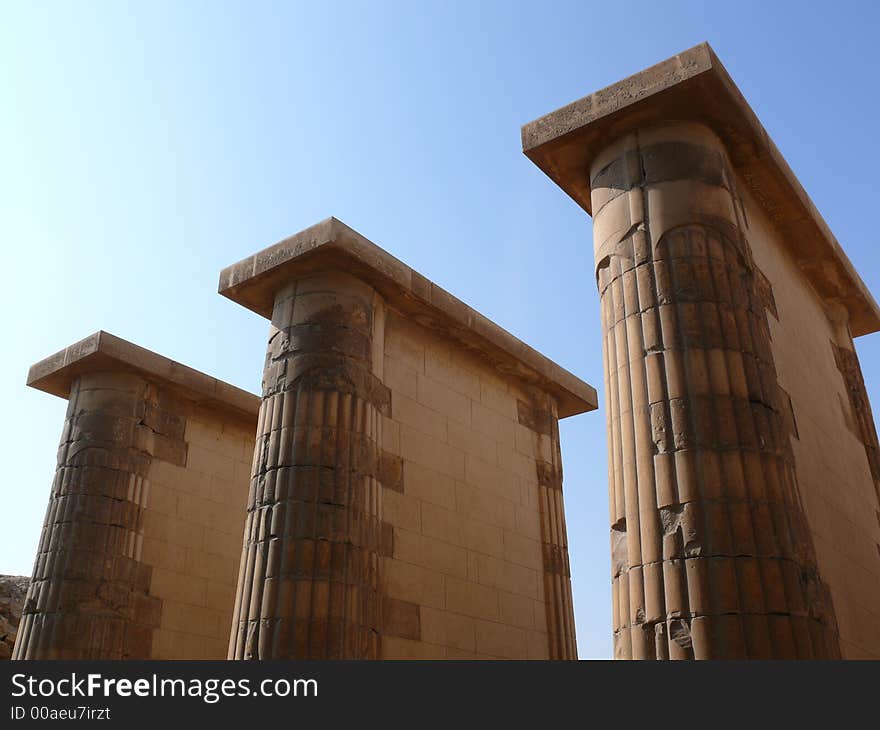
x: 142, y: 534
x: 405, y: 498
x: 832, y: 436
x: 192, y: 531
x: 479, y: 563
x: 406, y: 489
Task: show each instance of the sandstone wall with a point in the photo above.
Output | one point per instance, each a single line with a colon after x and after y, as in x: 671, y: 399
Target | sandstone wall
x: 832, y: 437
x: 479, y: 563
x: 193, y: 522
x: 142, y: 535
x: 405, y: 497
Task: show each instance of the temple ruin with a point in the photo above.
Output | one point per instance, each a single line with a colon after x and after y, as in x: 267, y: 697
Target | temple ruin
x: 395, y: 491
x: 398, y: 485
x: 743, y: 466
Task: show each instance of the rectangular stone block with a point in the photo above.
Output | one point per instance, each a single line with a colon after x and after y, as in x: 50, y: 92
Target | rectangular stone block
x: 470, y: 599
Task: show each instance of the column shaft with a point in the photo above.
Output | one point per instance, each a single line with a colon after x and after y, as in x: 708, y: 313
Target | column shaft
x: 554, y: 539
x: 88, y: 598
x: 710, y: 549
x: 309, y: 577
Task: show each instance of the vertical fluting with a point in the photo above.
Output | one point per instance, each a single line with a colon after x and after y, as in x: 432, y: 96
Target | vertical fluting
x: 308, y: 582
x: 557, y: 572
x: 847, y: 362
x: 88, y: 598
x: 711, y: 555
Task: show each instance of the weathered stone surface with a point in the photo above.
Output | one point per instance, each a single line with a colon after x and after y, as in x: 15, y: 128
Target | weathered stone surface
x: 693, y: 86
x: 329, y: 244
x: 104, y: 351
x: 143, y: 528
x: 309, y: 576
x: 406, y: 499
x: 405, y: 482
x: 701, y: 529
x: 848, y: 363
x: 89, y: 595
x: 13, y: 589
x: 723, y: 541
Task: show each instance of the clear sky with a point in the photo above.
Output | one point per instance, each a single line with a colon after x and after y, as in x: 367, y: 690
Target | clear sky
x: 145, y: 146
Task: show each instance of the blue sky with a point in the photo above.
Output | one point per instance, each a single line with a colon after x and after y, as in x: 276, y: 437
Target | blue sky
x: 145, y: 146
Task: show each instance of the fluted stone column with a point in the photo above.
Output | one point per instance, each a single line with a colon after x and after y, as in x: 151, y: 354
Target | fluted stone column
x: 88, y: 598
x: 710, y: 549
x: 542, y: 416
x: 309, y: 578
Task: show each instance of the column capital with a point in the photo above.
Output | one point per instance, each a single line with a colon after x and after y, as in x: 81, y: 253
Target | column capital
x: 103, y: 352
x: 332, y: 245
x: 693, y: 86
